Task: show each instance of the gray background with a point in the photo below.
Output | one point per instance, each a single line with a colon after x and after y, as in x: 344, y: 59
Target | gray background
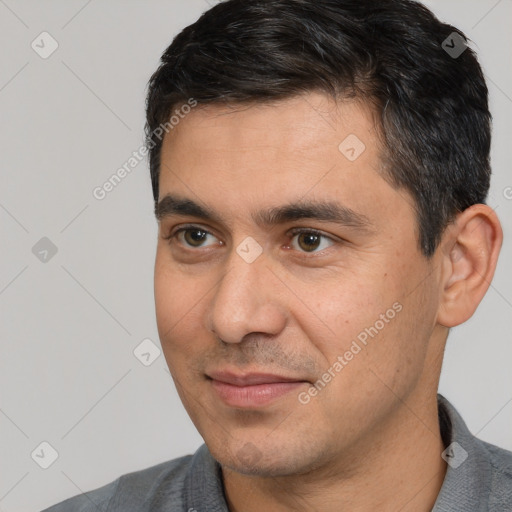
x: 69, y: 325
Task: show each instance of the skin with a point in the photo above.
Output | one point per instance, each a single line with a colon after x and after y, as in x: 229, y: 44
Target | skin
x: 369, y: 440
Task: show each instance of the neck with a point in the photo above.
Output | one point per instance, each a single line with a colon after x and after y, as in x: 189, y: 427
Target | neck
x: 397, y: 468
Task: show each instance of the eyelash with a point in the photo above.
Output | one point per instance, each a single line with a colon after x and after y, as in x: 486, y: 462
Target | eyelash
x: 294, y: 232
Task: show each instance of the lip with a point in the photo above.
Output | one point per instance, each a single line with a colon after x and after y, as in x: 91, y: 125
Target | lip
x: 251, y: 379
x: 252, y: 389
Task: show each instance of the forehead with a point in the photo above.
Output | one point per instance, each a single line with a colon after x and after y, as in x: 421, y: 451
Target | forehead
x: 298, y: 124
x: 301, y: 137
x: 306, y: 148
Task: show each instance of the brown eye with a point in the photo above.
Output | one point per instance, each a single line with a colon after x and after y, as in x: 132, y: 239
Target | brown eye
x: 308, y: 241
x: 311, y: 241
x: 194, y: 237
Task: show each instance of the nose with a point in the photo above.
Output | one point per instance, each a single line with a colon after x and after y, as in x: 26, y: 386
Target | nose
x: 247, y: 300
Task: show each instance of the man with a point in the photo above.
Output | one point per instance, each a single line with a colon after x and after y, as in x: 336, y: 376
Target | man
x: 319, y: 170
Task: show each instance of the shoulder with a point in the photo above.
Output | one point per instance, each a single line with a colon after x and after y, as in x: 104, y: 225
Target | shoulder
x: 134, y: 491
x: 500, y: 461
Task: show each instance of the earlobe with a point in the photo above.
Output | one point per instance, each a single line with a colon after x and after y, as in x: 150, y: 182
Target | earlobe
x: 469, y: 254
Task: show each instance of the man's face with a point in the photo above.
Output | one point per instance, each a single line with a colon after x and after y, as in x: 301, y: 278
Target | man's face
x: 350, y: 306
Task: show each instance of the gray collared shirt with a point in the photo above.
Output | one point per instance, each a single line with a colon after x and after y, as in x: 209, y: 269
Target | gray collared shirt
x: 478, y: 479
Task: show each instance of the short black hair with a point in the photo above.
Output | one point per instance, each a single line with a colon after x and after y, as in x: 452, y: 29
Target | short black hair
x: 431, y: 104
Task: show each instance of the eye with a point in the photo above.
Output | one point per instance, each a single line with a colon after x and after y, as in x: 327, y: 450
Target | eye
x: 309, y: 240
x: 304, y: 240
x: 192, y: 236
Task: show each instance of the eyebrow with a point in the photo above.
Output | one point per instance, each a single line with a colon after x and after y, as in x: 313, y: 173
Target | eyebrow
x: 326, y: 211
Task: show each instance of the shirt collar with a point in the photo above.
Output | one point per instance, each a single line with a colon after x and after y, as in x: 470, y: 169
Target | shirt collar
x: 467, y: 482
x: 203, y: 487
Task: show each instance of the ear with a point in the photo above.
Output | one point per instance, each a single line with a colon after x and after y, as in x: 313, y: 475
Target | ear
x: 469, y: 253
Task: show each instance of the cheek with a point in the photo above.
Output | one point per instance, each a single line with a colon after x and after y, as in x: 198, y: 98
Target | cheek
x: 165, y: 298
x: 345, y: 307
x: 176, y: 305
x: 370, y: 318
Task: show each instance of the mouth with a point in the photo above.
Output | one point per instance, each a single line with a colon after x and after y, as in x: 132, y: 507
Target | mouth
x: 252, y: 389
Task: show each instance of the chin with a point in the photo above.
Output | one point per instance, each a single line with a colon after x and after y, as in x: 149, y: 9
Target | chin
x: 265, y: 461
